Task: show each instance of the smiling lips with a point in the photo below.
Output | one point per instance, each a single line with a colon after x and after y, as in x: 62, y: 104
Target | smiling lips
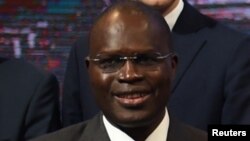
x: 132, y: 99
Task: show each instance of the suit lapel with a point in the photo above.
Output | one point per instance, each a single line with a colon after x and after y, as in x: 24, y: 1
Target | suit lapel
x: 187, y: 48
x: 95, y: 127
x: 190, y: 36
x: 179, y: 131
x: 191, y: 21
x: 175, y: 132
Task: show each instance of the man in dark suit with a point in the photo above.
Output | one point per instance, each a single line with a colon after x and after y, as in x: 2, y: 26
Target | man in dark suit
x: 131, y: 67
x: 28, y: 101
x: 211, y: 86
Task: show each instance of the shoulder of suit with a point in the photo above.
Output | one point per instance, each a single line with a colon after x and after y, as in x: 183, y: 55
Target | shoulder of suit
x: 73, y: 132
x: 20, y: 66
x: 65, y: 134
x: 228, y: 33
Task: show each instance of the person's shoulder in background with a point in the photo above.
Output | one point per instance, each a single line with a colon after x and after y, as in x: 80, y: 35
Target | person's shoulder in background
x: 78, y: 103
x: 29, y: 100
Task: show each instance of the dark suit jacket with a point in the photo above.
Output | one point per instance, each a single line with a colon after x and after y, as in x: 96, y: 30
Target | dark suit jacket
x: 94, y: 130
x: 28, y: 101
x: 212, y: 85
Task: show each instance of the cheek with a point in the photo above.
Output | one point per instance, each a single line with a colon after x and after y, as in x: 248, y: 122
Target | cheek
x: 161, y: 80
x: 100, y: 82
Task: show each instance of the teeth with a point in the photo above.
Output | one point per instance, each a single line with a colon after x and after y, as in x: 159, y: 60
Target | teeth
x: 132, y: 96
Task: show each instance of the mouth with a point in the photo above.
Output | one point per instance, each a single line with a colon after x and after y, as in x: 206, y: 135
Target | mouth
x: 132, y: 99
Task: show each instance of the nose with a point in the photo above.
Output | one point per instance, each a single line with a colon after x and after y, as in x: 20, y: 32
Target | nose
x: 129, y: 73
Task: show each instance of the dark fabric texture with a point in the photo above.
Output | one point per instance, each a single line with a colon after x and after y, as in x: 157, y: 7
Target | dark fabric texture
x: 29, y: 105
x: 94, y: 130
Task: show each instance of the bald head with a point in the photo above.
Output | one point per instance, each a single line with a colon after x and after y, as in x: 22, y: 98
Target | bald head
x: 126, y: 20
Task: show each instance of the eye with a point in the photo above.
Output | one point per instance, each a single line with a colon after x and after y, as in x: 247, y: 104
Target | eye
x: 146, y: 59
x: 110, y: 62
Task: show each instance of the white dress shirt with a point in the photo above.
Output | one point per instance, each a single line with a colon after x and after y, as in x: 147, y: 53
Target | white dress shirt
x: 159, y: 134
x: 172, y: 17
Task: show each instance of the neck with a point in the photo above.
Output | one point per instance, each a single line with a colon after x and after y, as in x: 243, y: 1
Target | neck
x: 141, y: 133
x: 169, y: 8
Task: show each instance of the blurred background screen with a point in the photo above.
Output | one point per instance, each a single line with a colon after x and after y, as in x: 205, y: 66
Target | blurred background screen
x: 43, y: 31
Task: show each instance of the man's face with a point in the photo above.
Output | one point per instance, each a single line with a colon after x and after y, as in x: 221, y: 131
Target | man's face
x: 135, y: 92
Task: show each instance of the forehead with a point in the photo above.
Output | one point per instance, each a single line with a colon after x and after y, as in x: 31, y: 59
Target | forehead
x: 128, y: 30
x: 132, y: 17
x: 126, y: 49
x: 128, y: 41
x: 124, y: 18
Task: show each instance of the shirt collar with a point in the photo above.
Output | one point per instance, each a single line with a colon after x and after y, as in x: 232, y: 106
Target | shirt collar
x: 172, y: 17
x: 159, y: 134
